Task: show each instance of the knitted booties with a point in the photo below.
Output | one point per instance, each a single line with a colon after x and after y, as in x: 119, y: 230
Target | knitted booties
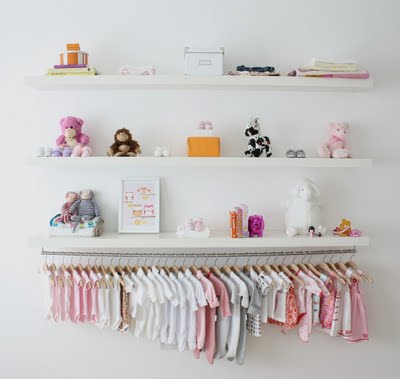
x: 48, y: 152
x: 57, y: 152
x: 208, y: 125
x: 86, y: 151
x: 77, y: 151
x: 201, y: 125
x: 188, y: 225
x: 199, y: 225
x: 67, y: 152
x: 40, y: 151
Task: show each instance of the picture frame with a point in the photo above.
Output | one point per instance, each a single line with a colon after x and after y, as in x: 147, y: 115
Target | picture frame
x: 139, y: 210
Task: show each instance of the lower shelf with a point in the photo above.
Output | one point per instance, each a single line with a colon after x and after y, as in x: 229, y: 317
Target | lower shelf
x: 216, y: 240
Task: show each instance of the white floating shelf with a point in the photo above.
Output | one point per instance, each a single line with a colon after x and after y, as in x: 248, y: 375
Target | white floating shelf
x: 122, y: 82
x: 217, y: 240
x: 127, y: 162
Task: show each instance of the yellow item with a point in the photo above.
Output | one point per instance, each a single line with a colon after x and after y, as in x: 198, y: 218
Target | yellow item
x: 203, y: 146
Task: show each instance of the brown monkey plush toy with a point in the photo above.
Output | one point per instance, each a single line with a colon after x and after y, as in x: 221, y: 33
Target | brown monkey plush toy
x: 124, y: 145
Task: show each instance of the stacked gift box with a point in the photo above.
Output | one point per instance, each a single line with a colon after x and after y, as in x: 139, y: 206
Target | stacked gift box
x: 73, y: 62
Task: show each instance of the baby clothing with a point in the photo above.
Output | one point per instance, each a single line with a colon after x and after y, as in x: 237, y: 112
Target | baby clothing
x: 223, y: 314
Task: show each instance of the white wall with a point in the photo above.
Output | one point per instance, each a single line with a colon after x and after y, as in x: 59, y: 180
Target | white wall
x: 283, y: 33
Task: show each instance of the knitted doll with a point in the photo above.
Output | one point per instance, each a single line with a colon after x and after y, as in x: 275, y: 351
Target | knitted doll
x: 86, y: 208
x: 66, y: 213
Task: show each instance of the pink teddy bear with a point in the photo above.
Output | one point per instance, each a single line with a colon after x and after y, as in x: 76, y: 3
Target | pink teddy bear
x: 72, y: 142
x: 336, y: 146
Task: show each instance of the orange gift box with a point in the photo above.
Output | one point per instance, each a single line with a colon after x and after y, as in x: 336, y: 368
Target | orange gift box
x: 203, y: 146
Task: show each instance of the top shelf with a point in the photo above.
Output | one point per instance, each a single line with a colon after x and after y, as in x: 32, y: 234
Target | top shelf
x: 167, y: 82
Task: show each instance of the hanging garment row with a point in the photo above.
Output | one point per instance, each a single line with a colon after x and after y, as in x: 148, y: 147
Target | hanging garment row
x: 209, y: 309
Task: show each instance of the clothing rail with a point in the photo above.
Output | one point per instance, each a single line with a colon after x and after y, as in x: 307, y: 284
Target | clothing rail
x: 302, y: 253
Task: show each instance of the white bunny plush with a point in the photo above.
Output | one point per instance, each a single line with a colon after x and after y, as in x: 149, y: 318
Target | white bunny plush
x: 303, y: 209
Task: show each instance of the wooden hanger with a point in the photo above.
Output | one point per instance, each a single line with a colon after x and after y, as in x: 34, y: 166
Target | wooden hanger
x: 312, y: 268
x: 226, y: 270
x: 174, y: 268
x: 363, y: 274
x: 290, y: 274
x: 235, y: 268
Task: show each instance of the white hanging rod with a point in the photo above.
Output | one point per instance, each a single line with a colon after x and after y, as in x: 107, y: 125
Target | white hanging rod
x: 200, y: 255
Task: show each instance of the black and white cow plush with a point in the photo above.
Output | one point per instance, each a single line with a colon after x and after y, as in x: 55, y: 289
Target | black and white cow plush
x: 257, y: 144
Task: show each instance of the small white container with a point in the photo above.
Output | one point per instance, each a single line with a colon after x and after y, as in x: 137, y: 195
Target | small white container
x: 204, y: 61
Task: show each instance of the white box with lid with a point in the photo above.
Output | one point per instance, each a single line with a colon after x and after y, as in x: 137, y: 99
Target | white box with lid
x: 204, y: 61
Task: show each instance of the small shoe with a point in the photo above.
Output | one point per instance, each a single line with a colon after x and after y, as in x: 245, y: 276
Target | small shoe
x: 67, y: 152
x: 208, y: 125
x: 40, y: 151
x: 165, y: 152
x: 48, y: 152
x: 300, y: 154
x: 291, y: 153
x: 201, y: 125
x: 199, y: 225
x: 57, y: 152
x: 188, y: 225
x: 158, y: 151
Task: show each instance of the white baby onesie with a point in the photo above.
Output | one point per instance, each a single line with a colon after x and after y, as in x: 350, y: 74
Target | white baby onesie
x: 238, y: 320
x: 191, y: 308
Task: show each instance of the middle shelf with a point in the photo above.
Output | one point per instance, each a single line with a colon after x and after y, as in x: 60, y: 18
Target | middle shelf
x: 113, y: 162
x: 272, y: 239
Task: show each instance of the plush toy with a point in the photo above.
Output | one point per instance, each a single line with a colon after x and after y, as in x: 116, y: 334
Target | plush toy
x: 85, y: 207
x: 124, y: 145
x: 336, y: 146
x: 303, y: 209
x: 66, y: 213
x: 72, y: 142
x: 256, y: 226
x: 257, y: 144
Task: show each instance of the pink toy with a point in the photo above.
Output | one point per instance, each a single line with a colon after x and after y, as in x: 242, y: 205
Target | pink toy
x: 256, y: 226
x: 72, y: 142
x: 65, y: 217
x: 336, y: 146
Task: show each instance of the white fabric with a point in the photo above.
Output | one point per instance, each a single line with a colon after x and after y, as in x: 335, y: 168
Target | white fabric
x: 191, y: 308
x: 234, y: 332
x: 115, y: 302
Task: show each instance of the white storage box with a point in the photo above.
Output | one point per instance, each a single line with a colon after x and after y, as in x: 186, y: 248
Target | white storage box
x: 204, y: 61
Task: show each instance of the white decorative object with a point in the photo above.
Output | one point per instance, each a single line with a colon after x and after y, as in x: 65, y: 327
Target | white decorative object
x: 303, y: 209
x: 139, y: 206
x: 204, y: 61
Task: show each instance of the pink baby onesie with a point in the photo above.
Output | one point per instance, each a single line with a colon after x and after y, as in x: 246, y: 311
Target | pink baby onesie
x: 65, y: 294
x: 55, y: 292
x: 359, y: 324
x: 94, y: 281
x: 85, y: 299
x: 328, y: 304
x: 209, y: 325
x: 310, y: 288
x: 75, y: 299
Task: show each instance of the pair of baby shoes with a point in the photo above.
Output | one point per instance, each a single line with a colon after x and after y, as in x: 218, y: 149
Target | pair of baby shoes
x: 205, y: 125
x: 161, y: 151
x: 295, y: 153
x: 197, y: 224
x: 44, y: 151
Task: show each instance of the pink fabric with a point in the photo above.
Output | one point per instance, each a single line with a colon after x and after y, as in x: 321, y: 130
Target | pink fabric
x: 75, y: 308
x: 54, y: 296
x: 310, y: 288
x: 84, y: 299
x: 209, y: 326
x: 93, y: 317
x: 328, y: 305
x: 65, y: 297
x: 359, y: 324
x: 222, y: 294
